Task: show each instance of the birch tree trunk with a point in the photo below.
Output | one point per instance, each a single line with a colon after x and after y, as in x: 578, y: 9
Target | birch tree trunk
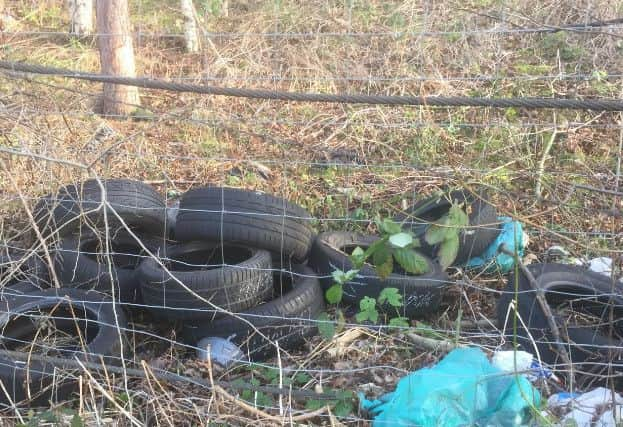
x: 81, y: 17
x: 116, y: 55
x: 191, y: 35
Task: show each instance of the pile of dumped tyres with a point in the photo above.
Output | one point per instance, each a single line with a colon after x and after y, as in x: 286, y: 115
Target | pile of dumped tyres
x: 230, y: 263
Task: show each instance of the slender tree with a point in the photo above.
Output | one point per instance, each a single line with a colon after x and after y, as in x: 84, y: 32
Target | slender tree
x: 191, y: 35
x: 114, y: 41
x: 81, y: 17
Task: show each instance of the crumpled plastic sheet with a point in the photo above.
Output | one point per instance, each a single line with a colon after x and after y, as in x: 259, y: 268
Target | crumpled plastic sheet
x: 492, y: 260
x: 591, y: 409
x: 463, y: 389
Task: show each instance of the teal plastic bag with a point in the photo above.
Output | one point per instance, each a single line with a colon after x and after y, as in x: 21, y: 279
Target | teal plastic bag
x: 463, y: 389
x: 492, y: 260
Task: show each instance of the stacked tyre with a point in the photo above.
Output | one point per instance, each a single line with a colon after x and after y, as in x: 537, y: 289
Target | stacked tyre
x: 104, y: 228
x: 244, y: 266
x: 235, y: 271
x: 98, y: 232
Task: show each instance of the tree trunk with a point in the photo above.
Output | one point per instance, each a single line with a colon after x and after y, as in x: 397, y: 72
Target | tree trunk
x: 116, y: 55
x: 81, y: 15
x: 191, y: 35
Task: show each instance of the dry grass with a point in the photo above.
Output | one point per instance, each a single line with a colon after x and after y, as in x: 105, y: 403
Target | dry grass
x: 337, y: 160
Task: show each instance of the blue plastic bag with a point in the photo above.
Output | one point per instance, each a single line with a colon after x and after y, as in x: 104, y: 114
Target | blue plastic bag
x: 492, y: 260
x: 463, y: 389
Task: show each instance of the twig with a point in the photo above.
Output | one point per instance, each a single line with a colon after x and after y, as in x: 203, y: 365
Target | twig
x: 433, y: 344
x: 541, y: 167
x: 618, y: 170
x: 40, y: 237
x: 265, y: 415
x: 540, y: 297
x: 109, y: 397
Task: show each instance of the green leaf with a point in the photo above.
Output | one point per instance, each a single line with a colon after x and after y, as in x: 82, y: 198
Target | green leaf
x: 357, y: 257
x: 399, y: 321
x: 326, y: 327
x: 436, y: 233
x: 391, y: 296
x: 76, y: 421
x: 448, y: 251
x: 372, y: 316
x: 270, y: 374
x: 123, y: 396
x: 302, y: 378
x: 343, y: 408
x: 457, y: 216
x: 411, y: 261
x: 383, y: 262
x: 374, y: 247
x: 334, y: 294
x: 401, y: 240
x: 388, y: 226
x: 367, y: 304
x: 338, y: 276
x: 263, y: 400
x: 368, y: 310
x: 341, y: 277
x: 247, y: 395
x: 314, y: 404
x: 350, y: 275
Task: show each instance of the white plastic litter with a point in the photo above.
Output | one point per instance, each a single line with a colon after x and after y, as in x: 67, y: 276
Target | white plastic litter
x: 220, y: 351
x: 505, y: 361
x: 601, y: 265
x: 581, y: 410
x: 510, y: 361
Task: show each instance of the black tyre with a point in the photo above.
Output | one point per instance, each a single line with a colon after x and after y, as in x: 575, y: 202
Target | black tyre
x: 22, y: 266
x: 288, y: 317
x: 82, y: 262
x: 483, y: 226
x: 86, y: 325
x: 247, y: 218
x: 17, y: 289
x: 75, y: 206
x: 597, y: 356
x: 421, y: 294
x: 231, y: 277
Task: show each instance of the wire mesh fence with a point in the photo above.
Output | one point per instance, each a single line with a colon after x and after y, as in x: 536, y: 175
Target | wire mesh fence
x: 133, y: 357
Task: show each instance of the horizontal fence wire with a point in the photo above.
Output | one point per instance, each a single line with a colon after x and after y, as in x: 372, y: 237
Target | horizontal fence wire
x: 433, y: 101
x: 614, y: 24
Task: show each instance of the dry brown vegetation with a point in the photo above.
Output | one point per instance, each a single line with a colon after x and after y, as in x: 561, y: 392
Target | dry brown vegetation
x: 342, y: 162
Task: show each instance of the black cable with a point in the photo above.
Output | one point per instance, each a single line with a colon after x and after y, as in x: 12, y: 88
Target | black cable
x: 437, y: 101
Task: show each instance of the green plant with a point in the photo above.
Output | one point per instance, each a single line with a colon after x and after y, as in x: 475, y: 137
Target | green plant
x: 368, y: 310
x: 257, y: 398
x: 445, y: 233
x: 393, y: 298
x: 395, y: 245
x: 368, y: 307
x: 558, y: 44
x: 341, y: 407
x: 213, y: 7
